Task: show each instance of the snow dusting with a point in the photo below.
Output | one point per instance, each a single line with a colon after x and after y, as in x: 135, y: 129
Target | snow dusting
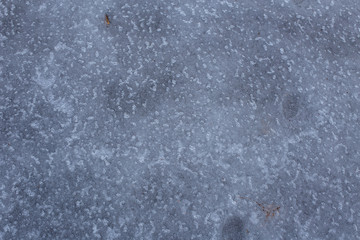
x: 175, y: 119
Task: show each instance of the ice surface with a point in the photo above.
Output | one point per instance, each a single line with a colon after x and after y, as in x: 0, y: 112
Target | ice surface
x: 180, y: 119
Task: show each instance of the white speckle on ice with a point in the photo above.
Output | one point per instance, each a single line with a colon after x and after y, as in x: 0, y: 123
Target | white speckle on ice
x: 60, y: 46
x: 24, y: 51
x: 164, y: 42
x: 42, y: 7
x: 254, y: 218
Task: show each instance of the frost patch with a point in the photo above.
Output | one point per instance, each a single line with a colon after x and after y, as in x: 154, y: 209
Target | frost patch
x: 43, y: 78
x: 103, y: 153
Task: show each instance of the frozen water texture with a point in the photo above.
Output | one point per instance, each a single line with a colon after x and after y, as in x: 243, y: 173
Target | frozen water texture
x: 179, y: 119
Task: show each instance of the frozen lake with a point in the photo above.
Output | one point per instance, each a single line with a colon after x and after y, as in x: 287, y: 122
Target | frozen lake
x: 227, y: 119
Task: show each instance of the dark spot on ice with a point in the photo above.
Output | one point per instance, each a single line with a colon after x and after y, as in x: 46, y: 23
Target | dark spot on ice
x: 233, y: 229
x: 290, y: 105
